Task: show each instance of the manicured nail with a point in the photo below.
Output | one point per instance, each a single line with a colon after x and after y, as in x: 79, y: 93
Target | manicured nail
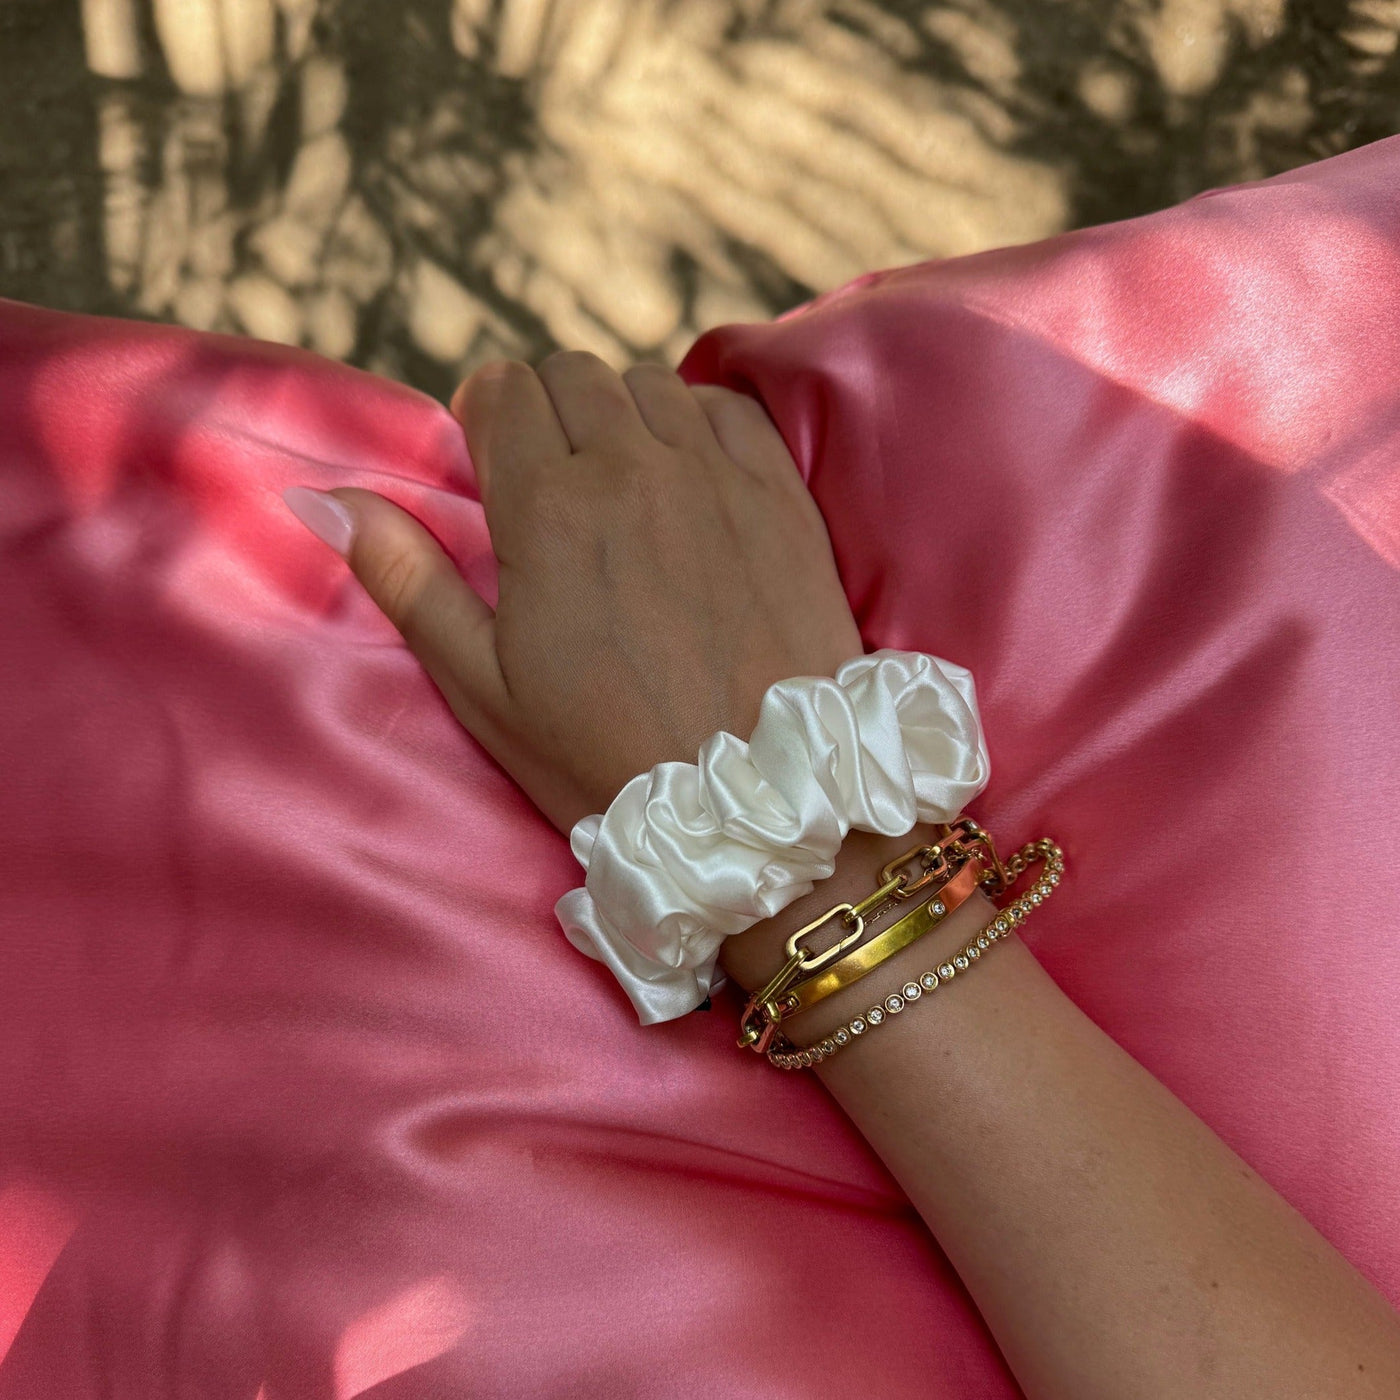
x: 327, y: 518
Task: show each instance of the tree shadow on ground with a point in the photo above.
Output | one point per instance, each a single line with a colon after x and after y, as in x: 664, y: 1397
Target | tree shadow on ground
x: 420, y: 186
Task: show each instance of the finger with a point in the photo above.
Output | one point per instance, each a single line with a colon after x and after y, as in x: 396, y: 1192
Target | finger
x: 668, y: 408
x: 511, y: 429
x: 592, y: 402
x: 744, y: 430
x: 415, y: 584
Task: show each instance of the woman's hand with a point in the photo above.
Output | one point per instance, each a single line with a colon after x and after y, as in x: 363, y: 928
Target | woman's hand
x: 661, y: 564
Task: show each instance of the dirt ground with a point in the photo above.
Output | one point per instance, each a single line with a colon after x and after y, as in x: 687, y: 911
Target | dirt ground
x: 419, y: 185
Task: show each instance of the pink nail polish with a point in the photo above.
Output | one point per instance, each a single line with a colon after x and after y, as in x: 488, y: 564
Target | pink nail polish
x: 327, y: 518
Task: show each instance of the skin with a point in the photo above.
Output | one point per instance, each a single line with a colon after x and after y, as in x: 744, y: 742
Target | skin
x: 661, y: 564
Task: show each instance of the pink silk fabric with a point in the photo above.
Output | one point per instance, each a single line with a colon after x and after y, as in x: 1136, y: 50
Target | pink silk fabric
x: 304, y: 1094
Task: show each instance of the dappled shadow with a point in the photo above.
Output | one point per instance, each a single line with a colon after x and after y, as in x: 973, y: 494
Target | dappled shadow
x: 419, y: 186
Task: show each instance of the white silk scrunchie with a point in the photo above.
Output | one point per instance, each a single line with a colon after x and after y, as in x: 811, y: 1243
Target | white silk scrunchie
x: 688, y: 854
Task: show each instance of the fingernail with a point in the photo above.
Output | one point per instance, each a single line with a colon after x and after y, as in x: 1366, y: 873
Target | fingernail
x: 327, y: 518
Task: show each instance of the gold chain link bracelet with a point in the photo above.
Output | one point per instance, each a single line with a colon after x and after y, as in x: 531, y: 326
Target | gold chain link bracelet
x: 782, y: 1053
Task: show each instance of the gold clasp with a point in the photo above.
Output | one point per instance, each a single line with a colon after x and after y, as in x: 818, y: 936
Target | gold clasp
x: 968, y: 836
x: 929, y: 873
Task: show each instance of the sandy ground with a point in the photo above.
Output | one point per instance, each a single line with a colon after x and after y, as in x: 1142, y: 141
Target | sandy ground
x: 419, y: 185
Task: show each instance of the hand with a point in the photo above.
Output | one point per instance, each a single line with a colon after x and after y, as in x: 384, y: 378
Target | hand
x: 661, y: 564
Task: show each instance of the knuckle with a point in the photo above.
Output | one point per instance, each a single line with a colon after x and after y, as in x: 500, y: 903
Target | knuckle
x: 399, y: 580
x: 498, y: 372
x: 502, y: 364
x: 511, y: 371
x: 570, y: 361
x: 491, y: 379
x: 648, y: 370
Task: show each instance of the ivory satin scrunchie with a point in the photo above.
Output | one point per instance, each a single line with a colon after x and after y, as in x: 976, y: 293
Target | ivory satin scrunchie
x: 688, y: 854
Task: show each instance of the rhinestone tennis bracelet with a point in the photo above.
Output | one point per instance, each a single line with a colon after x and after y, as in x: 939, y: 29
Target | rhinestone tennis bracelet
x: 1007, y: 921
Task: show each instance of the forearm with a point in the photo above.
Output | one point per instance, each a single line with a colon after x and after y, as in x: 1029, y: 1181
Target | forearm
x: 1114, y: 1244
